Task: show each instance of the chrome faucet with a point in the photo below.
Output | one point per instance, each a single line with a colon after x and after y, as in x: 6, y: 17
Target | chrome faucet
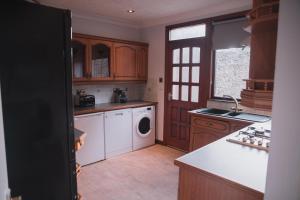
x: 236, y: 108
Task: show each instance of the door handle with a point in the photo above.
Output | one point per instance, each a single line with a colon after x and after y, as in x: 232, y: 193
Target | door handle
x: 170, y: 96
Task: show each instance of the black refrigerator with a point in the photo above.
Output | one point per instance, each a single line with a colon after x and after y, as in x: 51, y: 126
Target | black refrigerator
x: 36, y: 88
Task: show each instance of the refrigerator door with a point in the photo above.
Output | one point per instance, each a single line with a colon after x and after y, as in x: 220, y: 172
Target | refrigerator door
x: 36, y: 81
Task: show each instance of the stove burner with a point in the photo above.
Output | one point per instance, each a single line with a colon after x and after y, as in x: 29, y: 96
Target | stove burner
x: 253, y: 137
x: 257, y: 132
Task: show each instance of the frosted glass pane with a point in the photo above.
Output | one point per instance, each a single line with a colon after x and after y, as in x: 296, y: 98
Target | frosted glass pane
x: 185, y: 75
x: 184, y: 93
x: 176, y: 55
x: 196, y: 55
x: 231, y: 67
x: 195, y: 94
x: 175, y: 92
x: 187, y: 32
x: 195, y: 74
x: 175, y: 74
x: 186, y: 55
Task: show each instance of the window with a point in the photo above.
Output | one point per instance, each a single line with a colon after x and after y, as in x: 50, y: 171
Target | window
x: 231, y: 67
x: 187, y: 32
x: 231, y: 57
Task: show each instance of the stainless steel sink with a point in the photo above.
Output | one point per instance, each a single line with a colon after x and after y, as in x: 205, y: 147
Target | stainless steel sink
x: 213, y: 111
x: 234, y: 115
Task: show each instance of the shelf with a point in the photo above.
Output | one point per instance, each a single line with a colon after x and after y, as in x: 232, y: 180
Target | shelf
x: 263, y: 17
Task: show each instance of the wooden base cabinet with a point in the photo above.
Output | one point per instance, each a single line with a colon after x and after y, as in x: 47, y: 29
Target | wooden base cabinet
x: 207, y: 129
x: 197, y: 185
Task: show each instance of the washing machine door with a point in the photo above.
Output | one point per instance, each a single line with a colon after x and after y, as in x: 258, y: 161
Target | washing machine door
x: 144, y: 127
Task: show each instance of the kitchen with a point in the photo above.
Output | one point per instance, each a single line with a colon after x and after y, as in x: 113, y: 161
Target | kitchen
x: 152, y: 100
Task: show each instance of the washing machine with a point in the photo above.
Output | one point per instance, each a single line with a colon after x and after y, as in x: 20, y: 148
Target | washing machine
x: 143, y: 127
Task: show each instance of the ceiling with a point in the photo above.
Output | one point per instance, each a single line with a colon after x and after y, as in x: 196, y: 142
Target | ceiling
x: 149, y: 12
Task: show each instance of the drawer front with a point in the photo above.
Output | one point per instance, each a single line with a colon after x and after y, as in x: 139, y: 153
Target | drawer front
x: 211, y: 124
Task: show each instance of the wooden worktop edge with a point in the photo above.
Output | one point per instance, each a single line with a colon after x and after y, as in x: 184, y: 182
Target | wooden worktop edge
x: 117, y: 107
x: 217, y: 177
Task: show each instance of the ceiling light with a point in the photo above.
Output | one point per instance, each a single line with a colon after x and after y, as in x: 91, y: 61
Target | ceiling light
x: 130, y: 11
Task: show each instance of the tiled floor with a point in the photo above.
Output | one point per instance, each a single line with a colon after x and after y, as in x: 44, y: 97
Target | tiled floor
x: 147, y: 174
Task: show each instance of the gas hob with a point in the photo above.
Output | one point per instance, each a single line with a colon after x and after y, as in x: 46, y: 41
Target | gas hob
x: 256, y: 137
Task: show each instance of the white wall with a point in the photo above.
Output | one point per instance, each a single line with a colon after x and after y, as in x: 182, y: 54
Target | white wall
x: 155, y: 36
x: 100, y: 27
x: 283, y: 178
x: 3, y: 169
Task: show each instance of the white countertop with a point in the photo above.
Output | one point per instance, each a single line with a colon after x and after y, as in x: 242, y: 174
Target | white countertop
x: 240, y: 164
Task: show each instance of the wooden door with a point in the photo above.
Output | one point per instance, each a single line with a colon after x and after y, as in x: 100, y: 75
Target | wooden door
x: 125, y: 62
x: 142, y: 63
x: 80, y: 58
x: 187, y: 87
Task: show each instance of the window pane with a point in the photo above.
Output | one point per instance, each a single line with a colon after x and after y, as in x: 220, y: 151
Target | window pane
x: 231, y: 67
x: 175, y: 92
x: 184, y: 93
x: 195, y: 94
x: 176, y: 53
x: 196, y: 54
x: 175, y: 74
x: 187, y: 32
x: 186, y: 55
x: 185, y: 75
x: 195, y: 74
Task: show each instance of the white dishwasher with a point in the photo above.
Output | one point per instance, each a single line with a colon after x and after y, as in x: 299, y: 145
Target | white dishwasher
x: 118, y: 132
x: 93, y: 147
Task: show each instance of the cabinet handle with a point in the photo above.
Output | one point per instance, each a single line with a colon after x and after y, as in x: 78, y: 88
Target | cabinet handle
x: 119, y: 114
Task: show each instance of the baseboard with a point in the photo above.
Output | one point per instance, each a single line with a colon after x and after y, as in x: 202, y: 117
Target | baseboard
x: 159, y: 142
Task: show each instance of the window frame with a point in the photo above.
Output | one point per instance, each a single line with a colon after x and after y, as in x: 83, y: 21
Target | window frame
x: 213, y: 60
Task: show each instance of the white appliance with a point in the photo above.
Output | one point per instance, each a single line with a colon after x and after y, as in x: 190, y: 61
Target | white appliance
x: 143, y: 127
x: 118, y: 132
x: 93, y: 148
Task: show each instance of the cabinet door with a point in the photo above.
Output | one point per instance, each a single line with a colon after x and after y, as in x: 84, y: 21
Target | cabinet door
x: 201, y: 139
x: 93, y: 147
x: 142, y: 63
x: 125, y: 62
x: 101, y: 60
x: 80, y: 59
x: 237, y: 125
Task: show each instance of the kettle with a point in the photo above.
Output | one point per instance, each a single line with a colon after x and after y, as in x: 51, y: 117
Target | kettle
x: 120, y: 96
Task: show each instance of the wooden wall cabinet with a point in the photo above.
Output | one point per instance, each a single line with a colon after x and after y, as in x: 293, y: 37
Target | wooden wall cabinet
x: 80, y: 59
x: 125, y: 61
x: 207, y: 129
x: 104, y: 59
x: 142, y: 63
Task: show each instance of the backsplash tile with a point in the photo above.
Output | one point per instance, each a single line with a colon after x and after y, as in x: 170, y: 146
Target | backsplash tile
x: 104, y: 93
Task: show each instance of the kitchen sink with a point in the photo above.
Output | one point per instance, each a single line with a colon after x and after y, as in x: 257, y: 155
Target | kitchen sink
x: 234, y: 115
x: 213, y: 111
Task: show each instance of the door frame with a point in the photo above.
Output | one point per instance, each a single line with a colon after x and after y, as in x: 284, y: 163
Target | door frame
x: 208, y: 22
